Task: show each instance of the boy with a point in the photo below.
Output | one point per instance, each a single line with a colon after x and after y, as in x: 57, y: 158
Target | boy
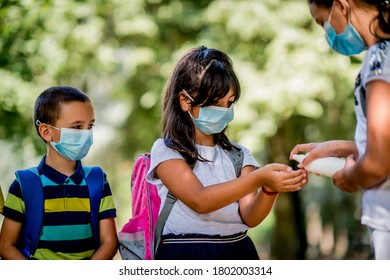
x: 63, y: 118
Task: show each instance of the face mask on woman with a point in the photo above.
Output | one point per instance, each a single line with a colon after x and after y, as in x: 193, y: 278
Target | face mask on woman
x: 346, y: 43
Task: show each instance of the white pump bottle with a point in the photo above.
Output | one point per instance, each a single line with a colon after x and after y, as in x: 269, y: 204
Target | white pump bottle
x: 327, y: 166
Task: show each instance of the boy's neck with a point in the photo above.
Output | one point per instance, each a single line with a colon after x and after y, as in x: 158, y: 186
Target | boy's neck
x: 59, y: 163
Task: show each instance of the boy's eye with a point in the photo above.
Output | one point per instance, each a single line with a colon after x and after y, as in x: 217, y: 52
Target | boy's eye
x: 79, y: 126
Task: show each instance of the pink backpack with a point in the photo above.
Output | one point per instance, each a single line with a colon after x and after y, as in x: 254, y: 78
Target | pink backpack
x: 136, y: 239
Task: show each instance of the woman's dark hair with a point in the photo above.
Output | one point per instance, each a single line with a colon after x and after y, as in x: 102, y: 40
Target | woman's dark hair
x: 383, y: 7
x: 206, y: 75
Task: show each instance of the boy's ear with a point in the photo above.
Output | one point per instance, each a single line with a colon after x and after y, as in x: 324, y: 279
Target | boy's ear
x: 45, y: 133
x: 185, y: 102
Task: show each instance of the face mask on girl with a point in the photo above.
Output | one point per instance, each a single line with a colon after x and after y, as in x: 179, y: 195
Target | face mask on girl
x: 212, y: 119
x: 346, y: 43
x: 74, y: 144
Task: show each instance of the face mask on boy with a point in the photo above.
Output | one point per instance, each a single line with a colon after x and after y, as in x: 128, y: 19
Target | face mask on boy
x: 346, y: 43
x: 74, y: 144
x: 212, y: 119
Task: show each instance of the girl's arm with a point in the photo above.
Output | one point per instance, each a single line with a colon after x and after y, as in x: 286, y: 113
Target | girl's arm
x: 108, y: 240
x: 185, y: 185
x: 256, y: 206
x: 9, y: 237
x: 374, y: 166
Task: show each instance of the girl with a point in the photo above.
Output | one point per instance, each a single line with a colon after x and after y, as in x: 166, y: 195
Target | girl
x: 351, y: 27
x: 214, y: 209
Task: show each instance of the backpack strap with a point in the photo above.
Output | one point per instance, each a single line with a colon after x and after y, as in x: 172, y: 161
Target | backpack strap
x: 236, y: 155
x: 31, y: 187
x: 94, y: 178
x: 168, y: 205
x: 362, y: 93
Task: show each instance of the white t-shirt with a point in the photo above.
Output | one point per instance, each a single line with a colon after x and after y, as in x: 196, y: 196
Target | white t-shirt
x: 182, y: 219
x: 375, y: 201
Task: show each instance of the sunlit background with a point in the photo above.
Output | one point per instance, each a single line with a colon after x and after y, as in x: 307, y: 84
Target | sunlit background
x: 121, y: 53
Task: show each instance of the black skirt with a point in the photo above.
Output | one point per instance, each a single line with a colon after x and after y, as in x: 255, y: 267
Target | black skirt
x: 206, y: 247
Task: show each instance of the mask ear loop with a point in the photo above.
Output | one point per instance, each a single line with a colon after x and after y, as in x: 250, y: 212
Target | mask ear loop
x: 349, y: 14
x: 331, y: 12
x: 190, y: 98
x: 38, y: 123
x: 186, y: 93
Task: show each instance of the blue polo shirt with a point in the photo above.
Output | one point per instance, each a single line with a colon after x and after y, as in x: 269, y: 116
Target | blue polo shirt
x: 66, y: 231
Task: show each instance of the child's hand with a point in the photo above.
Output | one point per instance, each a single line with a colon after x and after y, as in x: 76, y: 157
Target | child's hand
x: 281, y: 178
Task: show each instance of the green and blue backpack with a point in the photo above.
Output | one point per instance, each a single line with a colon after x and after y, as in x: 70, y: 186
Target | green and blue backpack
x: 31, y: 187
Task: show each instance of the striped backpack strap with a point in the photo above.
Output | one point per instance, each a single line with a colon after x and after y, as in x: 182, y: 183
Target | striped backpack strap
x: 31, y: 187
x: 94, y: 178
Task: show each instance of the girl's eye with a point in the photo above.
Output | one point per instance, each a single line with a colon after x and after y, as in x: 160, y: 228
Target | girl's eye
x: 91, y: 126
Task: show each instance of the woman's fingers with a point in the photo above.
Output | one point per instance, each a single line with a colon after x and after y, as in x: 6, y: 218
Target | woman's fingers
x: 302, y: 148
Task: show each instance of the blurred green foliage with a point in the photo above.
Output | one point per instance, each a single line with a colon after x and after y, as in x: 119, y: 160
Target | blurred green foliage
x: 121, y: 53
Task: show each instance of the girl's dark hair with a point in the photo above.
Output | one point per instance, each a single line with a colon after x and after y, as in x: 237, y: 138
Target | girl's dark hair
x: 383, y: 7
x: 207, y: 75
x: 48, y: 104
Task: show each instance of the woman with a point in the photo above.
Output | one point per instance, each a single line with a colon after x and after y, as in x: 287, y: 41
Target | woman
x: 352, y: 26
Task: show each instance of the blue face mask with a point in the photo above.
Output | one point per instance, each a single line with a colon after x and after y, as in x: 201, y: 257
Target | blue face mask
x: 74, y: 144
x: 347, y: 43
x: 212, y: 119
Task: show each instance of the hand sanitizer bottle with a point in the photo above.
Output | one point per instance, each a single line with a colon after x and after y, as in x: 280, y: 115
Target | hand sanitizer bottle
x: 327, y: 166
